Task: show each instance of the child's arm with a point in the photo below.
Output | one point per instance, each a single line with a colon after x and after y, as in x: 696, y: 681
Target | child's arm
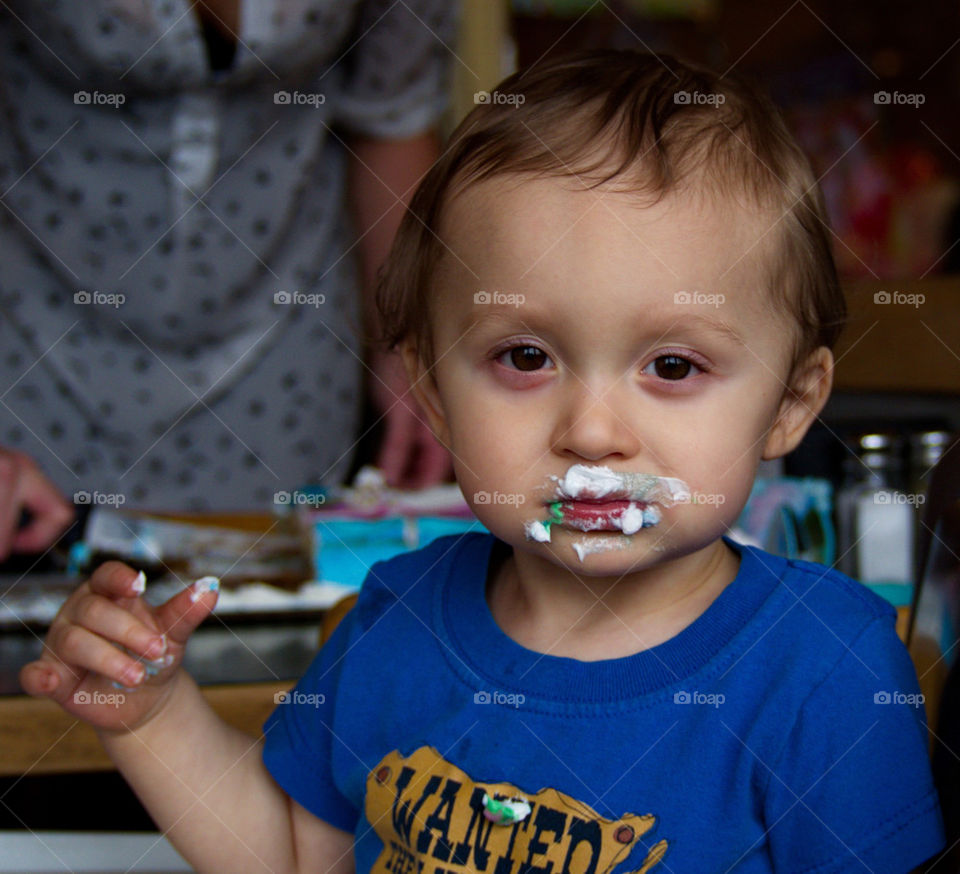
x: 206, y: 787
x: 202, y: 781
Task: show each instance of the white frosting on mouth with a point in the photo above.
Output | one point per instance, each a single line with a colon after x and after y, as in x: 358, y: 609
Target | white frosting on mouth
x: 583, y: 481
x: 631, y: 519
x: 536, y: 530
x: 643, y: 490
x: 651, y: 516
x: 588, y: 546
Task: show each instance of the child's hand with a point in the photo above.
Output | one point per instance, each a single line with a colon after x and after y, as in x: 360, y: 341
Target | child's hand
x: 109, y: 657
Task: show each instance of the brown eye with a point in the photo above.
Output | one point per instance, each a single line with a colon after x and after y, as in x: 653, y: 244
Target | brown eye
x: 527, y: 357
x: 672, y: 367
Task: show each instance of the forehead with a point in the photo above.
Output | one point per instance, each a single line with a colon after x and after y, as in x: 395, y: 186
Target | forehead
x: 525, y: 221
x: 523, y: 230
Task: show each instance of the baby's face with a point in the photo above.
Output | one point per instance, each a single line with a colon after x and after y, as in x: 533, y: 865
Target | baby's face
x: 575, y: 327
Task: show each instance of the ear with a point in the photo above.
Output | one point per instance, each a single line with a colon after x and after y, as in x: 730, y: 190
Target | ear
x: 424, y: 388
x: 801, y: 403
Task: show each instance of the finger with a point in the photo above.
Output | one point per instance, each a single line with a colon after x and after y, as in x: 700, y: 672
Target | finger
x: 51, y: 677
x: 114, y: 579
x: 179, y: 617
x: 48, y: 677
x: 398, y: 444
x: 9, y: 501
x: 118, y: 625
x: 76, y: 647
x: 51, y: 513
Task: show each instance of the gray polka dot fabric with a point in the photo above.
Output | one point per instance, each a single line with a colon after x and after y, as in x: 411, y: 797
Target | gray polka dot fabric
x: 179, y: 303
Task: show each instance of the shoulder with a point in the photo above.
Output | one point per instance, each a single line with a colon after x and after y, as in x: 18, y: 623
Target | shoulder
x: 810, y: 595
x: 830, y: 587
x: 413, y: 577
x: 818, y: 625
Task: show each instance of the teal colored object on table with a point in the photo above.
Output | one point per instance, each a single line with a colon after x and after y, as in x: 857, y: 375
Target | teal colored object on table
x: 431, y: 527
x: 791, y: 516
x: 345, y: 549
x: 898, y: 594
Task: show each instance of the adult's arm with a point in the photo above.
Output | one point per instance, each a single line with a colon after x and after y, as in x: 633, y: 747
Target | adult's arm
x: 383, y: 175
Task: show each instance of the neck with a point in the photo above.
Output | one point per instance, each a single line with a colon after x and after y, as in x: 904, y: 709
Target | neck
x: 552, y: 609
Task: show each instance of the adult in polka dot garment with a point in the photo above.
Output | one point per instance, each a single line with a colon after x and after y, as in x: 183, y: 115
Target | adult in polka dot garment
x: 196, y: 198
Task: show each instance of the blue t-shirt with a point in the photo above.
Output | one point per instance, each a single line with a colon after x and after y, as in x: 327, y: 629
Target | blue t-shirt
x: 780, y: 731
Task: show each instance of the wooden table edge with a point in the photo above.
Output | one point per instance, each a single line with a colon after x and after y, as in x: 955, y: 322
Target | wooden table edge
x: 37, y: 737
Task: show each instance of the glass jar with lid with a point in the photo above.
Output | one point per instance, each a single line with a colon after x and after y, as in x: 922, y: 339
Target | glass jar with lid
x: 875, y: 518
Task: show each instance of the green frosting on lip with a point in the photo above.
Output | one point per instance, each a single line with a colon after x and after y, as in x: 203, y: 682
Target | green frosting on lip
x: 556, y: 515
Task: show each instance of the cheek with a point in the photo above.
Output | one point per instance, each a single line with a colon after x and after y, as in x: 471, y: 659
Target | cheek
x: 477, y: 430
x: 723, y: 458
x: 496, y: 447
x: 492, y: 441
x: 481, y: 419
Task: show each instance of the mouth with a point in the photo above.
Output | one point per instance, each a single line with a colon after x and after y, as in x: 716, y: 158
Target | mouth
x: 625, y: 517
x: 600, y: 499
x: 621, y: 515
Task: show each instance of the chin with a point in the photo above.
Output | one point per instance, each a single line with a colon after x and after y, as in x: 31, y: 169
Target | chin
x: 597, y: 555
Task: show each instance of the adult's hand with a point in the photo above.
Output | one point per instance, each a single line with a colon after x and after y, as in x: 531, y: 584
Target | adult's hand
x: 410, y: 456
x: 24, y: 487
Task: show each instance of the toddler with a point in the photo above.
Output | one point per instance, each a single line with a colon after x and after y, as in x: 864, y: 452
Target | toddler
x: 614, y: 296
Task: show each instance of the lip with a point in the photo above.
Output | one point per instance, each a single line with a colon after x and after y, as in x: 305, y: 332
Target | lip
x: 591, y: 508
x: 603, y: 515
x: 586, y: 497
x: 594, y: 515
x: 599, y: 484
x: 620, y: 515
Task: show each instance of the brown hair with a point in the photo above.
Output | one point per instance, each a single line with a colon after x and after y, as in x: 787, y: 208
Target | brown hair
x: 648, y: 124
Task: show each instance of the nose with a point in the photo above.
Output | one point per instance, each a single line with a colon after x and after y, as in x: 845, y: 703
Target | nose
x: 595, y: 423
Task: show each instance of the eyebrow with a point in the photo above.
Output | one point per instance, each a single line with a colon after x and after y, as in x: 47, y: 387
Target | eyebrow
x: 501, y: 313
x: 494, y: 313
x: 706, y: 323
